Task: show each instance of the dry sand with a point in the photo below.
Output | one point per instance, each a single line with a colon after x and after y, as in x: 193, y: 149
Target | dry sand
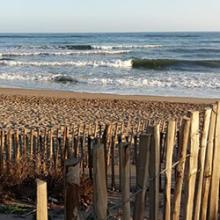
x: 38, y: 108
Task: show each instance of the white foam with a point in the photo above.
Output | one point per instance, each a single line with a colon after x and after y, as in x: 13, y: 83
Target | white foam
x: 115, y: 63
x: 108, y: 47
x: 196, y: 81
x: 158, y: 82
x: 64, y: 53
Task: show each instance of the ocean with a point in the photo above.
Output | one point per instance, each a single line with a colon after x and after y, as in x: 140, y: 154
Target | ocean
x: 165, y: 64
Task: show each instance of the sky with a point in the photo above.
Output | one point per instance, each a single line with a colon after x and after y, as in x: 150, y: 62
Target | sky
x: 109, y: 15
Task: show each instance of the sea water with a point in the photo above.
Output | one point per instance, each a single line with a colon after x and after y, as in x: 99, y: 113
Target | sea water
x: 167, y: 64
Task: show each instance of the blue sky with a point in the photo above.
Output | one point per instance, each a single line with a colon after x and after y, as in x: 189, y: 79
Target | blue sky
x: 109, y: 15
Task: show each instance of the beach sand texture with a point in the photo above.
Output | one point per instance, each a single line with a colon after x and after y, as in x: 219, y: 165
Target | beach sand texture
x: 42, y: 108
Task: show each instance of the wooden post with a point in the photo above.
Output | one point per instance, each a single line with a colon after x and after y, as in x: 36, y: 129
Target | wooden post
x: 9, y: 147
x: 171, y: 134
x: 99, y: 181
x: 72, y: 189
x: 44, y: 155
x: 120, y: 161
x: 24, y: 153
x: 142, y: 176
x: 2, y: 159
x: 90, y: 157
x: 125, y: 181
x: 105, y: 140
x: 181, y: 168
x: 37, y: 152
x: 17, y: 153
x: 113, y: 162
x: 154, y: 173
x: 42, y: 213
x: 193, y: 161
x: 208, y: 166
x: 202, y: 156
x: 31, y: 144
x: 214, y: 190
x: 51, y: 148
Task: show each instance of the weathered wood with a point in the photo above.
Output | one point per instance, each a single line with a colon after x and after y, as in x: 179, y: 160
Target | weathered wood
x: 193, y: 161
x: 142, y: 176
x: 120, y: 161
x: 56, y: 157
x: 17, y: 143
x: 202, y: 156
x: 42, y: 213
x: 2, y: 149
x: 37, y: 152
x: 214, y: 190
x: 105, y: 141
x: 72, y: 192
x: 9, y: 148
x: 208, y: 166
x: 170, y: 141
x: 24, y: 147
x: 113, y: 163
x: 44, y: 152
x: 90, y: 157
x: 31, y: 144
x: 125, y: 181
x: 154, y: 173
x: 181, y: 168
x: 51, y: 147
x: 99, y: 182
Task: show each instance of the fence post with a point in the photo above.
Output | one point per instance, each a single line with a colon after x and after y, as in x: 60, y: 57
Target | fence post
x: 154, y: 173
x: 181, y: 167
x: 193, y: 161
x: 170, y: 141
x: 41, y: 200
x: 24, y: 133
x: 208, y: 166
x: 31, y: 144
x: 90, y: 140
x: 214, y: 190
x: 125, y: 180
x: 142, y: 176
x: 201, y: 163
x: 2, y: 152
x: 72, y: 189
x: 99, y: 181
x: 113, y: 163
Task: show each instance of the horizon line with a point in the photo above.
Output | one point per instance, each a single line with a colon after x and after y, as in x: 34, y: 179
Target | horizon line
x: 106, y: 32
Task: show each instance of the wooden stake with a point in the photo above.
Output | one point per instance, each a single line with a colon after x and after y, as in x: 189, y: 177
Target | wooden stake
x: 202, y: 156
x: 42, y: 213
x: 72, y: 190
x: 181, y: 168
x: 31, y: 144
x: 168, y: 166
x: 99, y: 184
x: 214, y: 190
x: 142, y: 176
x: 154, y: 173
x: 193, y: 161
x: 208, y: 165
x: 125, y: 181
x: 2, y: 147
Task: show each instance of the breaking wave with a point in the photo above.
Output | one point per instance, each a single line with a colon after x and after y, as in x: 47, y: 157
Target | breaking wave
x: 201, y: 81
x: 154, y: 64
x: 162, y: 64
x: 58, y: 53
x: 114, y: 64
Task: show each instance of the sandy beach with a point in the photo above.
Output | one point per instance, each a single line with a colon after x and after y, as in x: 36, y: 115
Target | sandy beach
x: 47, y: 108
